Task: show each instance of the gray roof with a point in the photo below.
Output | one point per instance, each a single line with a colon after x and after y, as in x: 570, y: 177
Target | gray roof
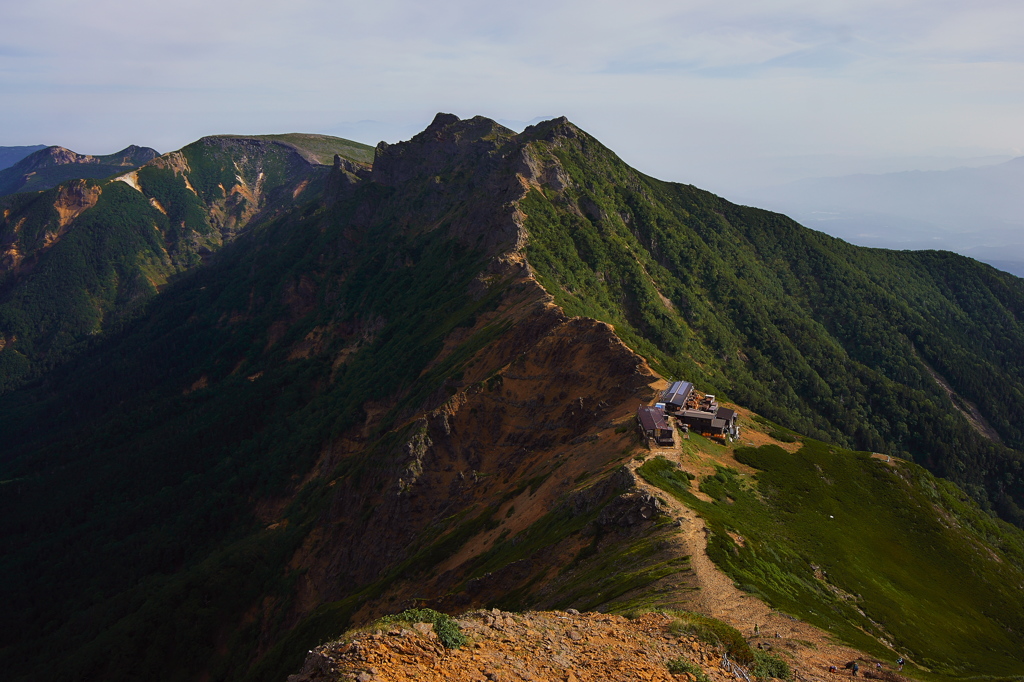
x: 677, y: 393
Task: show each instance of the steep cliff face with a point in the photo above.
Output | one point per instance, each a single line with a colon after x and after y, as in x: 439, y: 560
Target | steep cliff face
x: 428, y: 382
x: 478, y: 157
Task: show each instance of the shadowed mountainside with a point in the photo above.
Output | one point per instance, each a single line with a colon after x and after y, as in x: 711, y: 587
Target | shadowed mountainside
x: 12, y: 155
x: 403, y: 385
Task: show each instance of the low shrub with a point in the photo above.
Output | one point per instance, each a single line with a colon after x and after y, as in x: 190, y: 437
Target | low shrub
x: 448, y: 631
x: 713, y: 632
x: 680, y: 666
x: 769, y: 665
x: 783, y: 436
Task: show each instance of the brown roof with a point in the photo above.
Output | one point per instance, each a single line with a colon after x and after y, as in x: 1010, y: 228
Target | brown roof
x: 652, y: 418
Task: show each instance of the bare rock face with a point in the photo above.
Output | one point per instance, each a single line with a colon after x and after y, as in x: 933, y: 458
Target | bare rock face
x: 529, y: 401
x: 630, y: 509
x: 344, y: 177
x: 74, y: 198
x: 568, y: 646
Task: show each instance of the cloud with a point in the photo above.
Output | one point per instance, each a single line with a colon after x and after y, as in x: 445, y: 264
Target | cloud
x: 676, y: 86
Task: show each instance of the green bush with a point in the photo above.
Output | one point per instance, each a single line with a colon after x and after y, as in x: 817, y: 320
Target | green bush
x: 680, y: 666
x: 769, y: 665
x: 783, y: 435
x: 444, y: 625
x: 713, y: 632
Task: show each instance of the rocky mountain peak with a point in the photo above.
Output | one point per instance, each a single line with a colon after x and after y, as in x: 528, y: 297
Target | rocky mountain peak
x: 133, y: 155
x: 553, y: 129
x: 446, y: 143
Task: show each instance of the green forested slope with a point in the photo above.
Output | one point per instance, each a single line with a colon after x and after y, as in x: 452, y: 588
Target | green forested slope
x: 67, y: 276
x: 322, y: 148
x: 134, y: 470
x: 819, y: 335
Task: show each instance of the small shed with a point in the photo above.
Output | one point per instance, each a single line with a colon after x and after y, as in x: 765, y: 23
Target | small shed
x: 654, y: 425
x: 729, y: 417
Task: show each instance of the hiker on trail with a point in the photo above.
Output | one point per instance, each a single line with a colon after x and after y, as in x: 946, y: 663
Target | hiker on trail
x: 900, y: 662
x: 757, y: 630
x: 855, y: 668
x: 833, y: 669
x: 878, y: 665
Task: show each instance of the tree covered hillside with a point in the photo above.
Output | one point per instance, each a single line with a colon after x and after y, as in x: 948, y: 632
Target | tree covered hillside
x: 836, y: 341
x: 78, y: 257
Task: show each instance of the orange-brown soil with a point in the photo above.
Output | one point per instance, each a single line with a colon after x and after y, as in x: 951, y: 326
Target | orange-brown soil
x: 557, y: 646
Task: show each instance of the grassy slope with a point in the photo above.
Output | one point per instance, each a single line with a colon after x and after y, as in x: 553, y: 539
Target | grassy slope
x: 812, y: 332
x: 323, y: 147
x: 915, y: 562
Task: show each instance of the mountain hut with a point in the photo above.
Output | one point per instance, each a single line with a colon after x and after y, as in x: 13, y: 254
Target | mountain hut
x: 676, y: 395
x: 654, y: 425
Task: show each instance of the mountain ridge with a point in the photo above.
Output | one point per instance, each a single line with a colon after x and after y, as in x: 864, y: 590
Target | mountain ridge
x: 417, y: 382
x: 177, y: 216
x: 49, y: 167
x: 11, y: 155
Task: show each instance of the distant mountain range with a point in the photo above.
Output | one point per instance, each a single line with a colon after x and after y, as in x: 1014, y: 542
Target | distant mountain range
x: 978, y: 212
x: 12, y: 155
x: 51, y: 166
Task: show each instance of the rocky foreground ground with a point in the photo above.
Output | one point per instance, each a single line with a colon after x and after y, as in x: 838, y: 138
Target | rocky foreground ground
x: 554, y: 646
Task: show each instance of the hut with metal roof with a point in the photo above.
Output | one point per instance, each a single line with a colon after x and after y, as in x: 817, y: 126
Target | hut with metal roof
x: 655, y: 426
x: 676, y: 394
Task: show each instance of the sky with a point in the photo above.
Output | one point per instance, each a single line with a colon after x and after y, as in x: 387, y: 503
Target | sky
x: 717, y: 94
